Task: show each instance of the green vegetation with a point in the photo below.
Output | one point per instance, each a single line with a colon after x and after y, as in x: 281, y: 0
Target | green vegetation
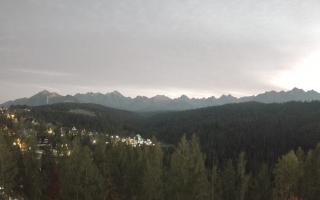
x: 235, y: 152
x: 122, y: 172
x: 82, y: 112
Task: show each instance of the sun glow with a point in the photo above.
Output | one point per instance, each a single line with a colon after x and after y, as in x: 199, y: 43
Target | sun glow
x: 305, y: 74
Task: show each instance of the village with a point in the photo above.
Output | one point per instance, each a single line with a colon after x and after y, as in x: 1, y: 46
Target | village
x: 57, y: 139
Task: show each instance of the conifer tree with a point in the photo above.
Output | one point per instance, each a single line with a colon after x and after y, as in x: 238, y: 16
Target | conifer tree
x: 260, y: 187
x: 242, y: 177
x: 8, y: 169
x: 311, y: 178
x: 152, y: 183
x: 229, y: 181
x: 215, y: 184
x: 80, y: 178
x: 188, y: 173
x: 33, y: 184
x: 287, y: 173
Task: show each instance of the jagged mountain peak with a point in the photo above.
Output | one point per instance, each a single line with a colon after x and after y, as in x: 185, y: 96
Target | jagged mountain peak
x: 46, y: 93
x: 160, y: 98
x: 297, y: 90
x: 161, y: 102
x: 115, y: 93
x: 183, y: 97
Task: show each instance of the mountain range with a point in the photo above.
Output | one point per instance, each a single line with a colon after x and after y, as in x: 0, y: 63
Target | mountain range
x: 160, y: 102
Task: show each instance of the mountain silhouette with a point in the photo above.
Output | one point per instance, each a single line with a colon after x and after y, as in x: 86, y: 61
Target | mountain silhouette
x: 161, y: 102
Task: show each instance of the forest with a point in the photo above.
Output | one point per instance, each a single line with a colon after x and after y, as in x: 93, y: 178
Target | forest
x: 263, y: 131
x: 232, y: 152
x: 122, y: 172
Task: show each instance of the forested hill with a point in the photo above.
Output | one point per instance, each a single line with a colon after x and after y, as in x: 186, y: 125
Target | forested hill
x: 263, y: 131
x: 87, y: 116
x: 45, y: 161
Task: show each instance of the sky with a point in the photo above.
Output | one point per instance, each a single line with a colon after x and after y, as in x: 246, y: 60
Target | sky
x: 199, y: 48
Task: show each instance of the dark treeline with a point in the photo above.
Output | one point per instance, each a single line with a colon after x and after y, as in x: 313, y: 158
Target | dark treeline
x: 86, y: 116
x: 123, y: 172
x: 263, y: 131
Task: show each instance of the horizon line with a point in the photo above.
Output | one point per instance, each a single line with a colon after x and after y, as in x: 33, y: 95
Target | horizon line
x: 167, y: 96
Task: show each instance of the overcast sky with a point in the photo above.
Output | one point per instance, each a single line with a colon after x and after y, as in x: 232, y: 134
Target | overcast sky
x: 147, y: 47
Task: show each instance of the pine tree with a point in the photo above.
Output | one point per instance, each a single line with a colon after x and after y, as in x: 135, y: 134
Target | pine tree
x: 80, y: 178
x: 33, y: 184
x: 188, y: 173
x: 49, y: 176
x: 229, y: 181
x: 260, y: 187
x: 152, y: 183
x: 242, y: 177
x: 8, y: 168
x: 215, y: 184
x: 311, y: 178
x: 201, y: 184
x: 287, y: 174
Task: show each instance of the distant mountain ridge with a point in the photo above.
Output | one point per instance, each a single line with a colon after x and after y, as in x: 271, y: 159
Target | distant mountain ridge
x: 160, y: 102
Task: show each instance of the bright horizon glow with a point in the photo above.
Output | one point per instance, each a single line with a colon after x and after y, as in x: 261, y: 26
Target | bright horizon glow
x: 305, y: 74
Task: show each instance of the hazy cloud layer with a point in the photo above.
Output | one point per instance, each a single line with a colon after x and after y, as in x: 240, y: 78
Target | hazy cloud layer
x: 144, y: 47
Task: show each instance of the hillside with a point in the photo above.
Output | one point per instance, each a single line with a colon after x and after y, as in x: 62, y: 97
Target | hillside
x: 133, y: 164
x: 87, y: 116
x: 264, y: 131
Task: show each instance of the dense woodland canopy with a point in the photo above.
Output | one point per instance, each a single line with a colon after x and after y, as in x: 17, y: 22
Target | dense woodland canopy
x: 239, y: 151
x: 263, y: 131
x: 119, y: 172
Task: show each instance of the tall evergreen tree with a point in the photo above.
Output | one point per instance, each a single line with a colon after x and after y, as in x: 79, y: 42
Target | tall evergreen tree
x: 260, y: 187
x: 229, y: 181
x: 33, y: 184
x: 80, y: 178
x: 100, y: 161
x: 152, y: 183
x: 49, y: 176
x: 8, y: 168
x: 311, y: 178
x: 287, y: 174
x: 242, y: 177
x: 215, y: 184
x: 188, y: 173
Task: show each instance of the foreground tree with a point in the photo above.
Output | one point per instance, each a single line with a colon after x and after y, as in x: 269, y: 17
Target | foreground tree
x: 242, y: 177
x: 152, y: 182
x: 287, y: 174
x: 33, y: 184
x: 311, y: 178
x: 260, y: 187
x: 8, y: 168
x: 229, y: 191
x: 187, y: 173
x: 80, y: 178
x: 215, y: 184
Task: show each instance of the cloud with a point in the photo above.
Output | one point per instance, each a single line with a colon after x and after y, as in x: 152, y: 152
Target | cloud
x: 41, y: 72
x: 200, y: 48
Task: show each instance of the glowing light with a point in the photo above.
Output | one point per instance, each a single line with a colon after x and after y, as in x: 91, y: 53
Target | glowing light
x: 50, y: 131
x: 22, y: 146
x: 304, y: 75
